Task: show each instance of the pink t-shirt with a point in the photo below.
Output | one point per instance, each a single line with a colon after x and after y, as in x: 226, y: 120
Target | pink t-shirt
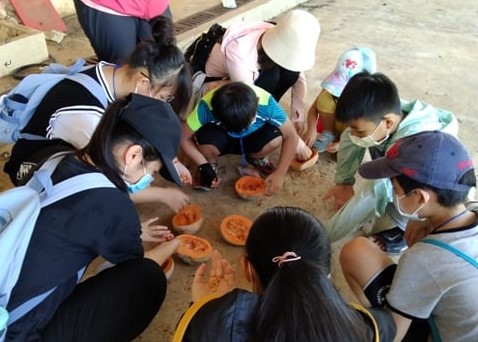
x: 145, y: 9
x: 236, y: 58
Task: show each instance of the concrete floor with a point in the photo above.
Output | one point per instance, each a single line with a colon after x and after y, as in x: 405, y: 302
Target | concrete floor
x: 429, y: 48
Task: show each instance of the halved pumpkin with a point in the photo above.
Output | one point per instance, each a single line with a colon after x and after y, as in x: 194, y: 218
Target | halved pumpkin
x: 188, y: 220
x: 168, y: 267
x: 193, y: 249
x: 235, y: 229
x: 302, y: 165
x: 249, y: 186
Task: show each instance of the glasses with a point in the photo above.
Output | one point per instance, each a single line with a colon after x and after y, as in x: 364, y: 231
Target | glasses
x: 160, y: 93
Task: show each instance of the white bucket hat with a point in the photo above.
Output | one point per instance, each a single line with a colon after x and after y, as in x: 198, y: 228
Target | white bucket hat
x: 292, y: 42
x: 350, y: 63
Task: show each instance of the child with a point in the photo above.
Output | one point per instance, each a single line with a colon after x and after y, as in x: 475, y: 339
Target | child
x: 350, y: 63
x: 288, y: 264
x: 436, y: 277
x: 238, y: 119
x: 371, y: 108
x: 137, y: 137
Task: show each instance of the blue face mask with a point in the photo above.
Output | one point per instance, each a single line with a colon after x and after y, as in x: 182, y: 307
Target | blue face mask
x: 142, y: 184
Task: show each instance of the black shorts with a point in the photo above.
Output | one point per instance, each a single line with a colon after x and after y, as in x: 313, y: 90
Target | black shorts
x: 379, y: 286
x: 377, y: 289
x: 212, y: 134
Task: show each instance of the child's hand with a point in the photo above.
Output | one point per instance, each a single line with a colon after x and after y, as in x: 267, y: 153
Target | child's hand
x: 303, y: 154
x: 274, y: 183
x: 183, y: 172
x: 155, y: 233
x: 172, y: 197
x: 221, y: 278
x: 341, y: 193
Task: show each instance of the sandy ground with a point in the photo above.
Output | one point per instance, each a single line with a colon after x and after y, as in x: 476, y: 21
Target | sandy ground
x: 429, y: 48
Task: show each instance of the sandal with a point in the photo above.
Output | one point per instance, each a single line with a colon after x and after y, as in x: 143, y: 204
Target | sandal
x: 263, y: 165
x: 391, y: 241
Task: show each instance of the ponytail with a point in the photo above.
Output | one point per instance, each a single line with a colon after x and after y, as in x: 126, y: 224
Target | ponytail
x: 162, y: 29
x: 301, y: 304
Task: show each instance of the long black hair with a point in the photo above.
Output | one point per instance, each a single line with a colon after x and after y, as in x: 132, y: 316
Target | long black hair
x: 109, y: 133
x: 166, y: 66
x: 299, y: 302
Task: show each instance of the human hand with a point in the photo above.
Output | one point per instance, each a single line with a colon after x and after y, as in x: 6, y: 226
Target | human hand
x: 155, y: 233
x: 416, y: 230
x: 341, y: 193
x: 163, y: 251
x: 273, y: 183
x: 183, y: 172
x: 173, y: 198
x: 333, y: 147
x: 221, y: 278
x: 304, y: 153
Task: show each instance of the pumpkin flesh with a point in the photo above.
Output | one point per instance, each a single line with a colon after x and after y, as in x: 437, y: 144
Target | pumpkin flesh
x: 249, y: 186
x: 193, y: 249
x: 235, y: 229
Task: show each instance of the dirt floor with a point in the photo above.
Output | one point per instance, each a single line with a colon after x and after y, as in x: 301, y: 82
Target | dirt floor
x: 429, y: 48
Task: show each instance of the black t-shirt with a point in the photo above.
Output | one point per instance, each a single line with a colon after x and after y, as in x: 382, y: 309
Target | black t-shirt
x: 68, y: 235
x: 64, y: 94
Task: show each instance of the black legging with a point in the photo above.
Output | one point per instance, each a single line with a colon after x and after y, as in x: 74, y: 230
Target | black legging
x: 115, y: 305
x: 276, y: 80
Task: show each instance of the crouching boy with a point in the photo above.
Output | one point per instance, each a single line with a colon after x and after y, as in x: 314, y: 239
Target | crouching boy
x: 238, y: 119
x: 437, y: 277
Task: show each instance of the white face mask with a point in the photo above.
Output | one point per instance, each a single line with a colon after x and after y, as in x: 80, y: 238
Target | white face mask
x: 413, y: 216
x: 369, y: 141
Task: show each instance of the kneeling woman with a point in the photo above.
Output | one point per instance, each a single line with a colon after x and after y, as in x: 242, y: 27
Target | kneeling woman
x: 135, y: 138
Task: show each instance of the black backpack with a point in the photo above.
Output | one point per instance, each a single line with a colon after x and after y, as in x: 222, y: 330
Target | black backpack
x: 198, y: 52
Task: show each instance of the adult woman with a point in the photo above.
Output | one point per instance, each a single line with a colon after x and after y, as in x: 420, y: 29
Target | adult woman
x: 288, y: 265
x: 118, y: 303
x: 69, y: 113
x: 114, y: 27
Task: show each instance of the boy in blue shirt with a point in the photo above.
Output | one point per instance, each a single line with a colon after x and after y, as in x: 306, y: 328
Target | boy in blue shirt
x: 238, y: 119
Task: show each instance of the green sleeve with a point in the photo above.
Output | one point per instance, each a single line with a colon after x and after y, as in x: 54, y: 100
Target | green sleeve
x: 349, y: 158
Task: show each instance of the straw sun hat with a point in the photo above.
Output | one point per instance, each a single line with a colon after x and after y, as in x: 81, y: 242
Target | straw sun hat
x: 292, y: 42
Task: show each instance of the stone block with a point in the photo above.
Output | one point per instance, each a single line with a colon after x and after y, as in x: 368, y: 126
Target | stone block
x: 20, y: 45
